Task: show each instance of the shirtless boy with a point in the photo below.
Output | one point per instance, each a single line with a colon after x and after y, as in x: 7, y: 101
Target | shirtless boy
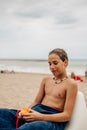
x: 54, y: 103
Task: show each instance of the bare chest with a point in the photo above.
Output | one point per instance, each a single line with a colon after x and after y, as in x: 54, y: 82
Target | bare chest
x: 55, y: 90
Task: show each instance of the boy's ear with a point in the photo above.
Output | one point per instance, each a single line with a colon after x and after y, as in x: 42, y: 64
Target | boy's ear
x: 66, y: 62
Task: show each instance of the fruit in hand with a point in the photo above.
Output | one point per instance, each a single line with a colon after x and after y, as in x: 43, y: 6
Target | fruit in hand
x: 24, y: 110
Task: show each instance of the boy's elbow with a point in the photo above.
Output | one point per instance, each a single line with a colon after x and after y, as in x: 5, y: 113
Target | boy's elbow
x: 67, y: 116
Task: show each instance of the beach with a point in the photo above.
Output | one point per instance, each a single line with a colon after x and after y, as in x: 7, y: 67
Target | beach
x: 18, y: 90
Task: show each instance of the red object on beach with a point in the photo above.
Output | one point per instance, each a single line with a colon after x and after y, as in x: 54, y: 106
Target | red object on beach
x: 78, y: 78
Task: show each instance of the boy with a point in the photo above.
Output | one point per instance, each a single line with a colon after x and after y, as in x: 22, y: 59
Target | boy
x: 54, y: 103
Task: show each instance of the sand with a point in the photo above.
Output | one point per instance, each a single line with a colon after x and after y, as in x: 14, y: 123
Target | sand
x: 18, y: 90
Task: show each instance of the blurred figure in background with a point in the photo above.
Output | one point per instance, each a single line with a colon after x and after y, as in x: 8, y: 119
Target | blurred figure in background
x: 76, y: 77
x: 86, y: 73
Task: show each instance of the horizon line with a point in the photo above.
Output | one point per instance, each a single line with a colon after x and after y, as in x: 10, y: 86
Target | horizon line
x: 36, y: 59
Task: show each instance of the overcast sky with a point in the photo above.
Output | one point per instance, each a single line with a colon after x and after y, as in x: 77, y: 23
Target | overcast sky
x: 31, y: 28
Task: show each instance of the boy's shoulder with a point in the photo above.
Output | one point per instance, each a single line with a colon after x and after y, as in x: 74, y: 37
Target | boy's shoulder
x: 47, y: 77
x: 71, y: 83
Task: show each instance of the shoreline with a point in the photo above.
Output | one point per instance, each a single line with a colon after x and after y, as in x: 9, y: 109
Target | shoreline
x: 20, y: 88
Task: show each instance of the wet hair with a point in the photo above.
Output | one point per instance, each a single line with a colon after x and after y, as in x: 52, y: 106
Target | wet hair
x: 60, y: 52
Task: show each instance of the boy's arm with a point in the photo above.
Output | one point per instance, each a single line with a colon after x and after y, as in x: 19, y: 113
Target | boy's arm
x: 40, y: 94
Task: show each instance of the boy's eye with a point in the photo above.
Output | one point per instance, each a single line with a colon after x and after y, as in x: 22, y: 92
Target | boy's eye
x: 49, y: 64
x: 55, y: 62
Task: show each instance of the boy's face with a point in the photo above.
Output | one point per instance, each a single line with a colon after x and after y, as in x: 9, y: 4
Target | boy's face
x: 56, y: 65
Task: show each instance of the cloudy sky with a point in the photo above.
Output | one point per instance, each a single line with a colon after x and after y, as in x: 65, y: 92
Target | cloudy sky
x: 31, y: 28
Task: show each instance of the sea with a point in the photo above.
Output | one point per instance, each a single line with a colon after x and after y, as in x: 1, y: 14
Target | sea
x: 41, y: 66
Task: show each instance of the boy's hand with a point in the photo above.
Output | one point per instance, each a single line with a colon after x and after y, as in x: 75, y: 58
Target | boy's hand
x: 24, y: 111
